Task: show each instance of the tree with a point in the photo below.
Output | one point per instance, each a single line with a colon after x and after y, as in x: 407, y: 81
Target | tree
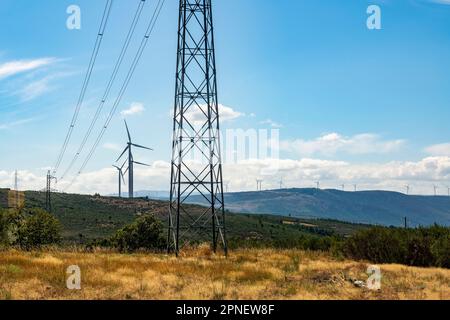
x: 145, y: 233
x: 9, y: 221
x: 38, y: 229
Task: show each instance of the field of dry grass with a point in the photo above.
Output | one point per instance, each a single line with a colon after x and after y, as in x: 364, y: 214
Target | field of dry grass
x: 245, y: 274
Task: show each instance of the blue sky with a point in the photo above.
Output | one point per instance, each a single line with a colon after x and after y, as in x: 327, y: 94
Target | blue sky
x: 352, y: 105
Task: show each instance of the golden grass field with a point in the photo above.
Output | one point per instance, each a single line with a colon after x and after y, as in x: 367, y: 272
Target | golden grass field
x: 198, y: 274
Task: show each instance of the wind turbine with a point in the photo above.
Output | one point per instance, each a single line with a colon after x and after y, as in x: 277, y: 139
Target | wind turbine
x: 259, y: 184
x: 435, y: 190
x: 227, y: 184
x: 121, y: 177
x: 131, y: 161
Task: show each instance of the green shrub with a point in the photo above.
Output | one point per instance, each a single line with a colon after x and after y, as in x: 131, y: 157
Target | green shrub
x: 9, y: 224
x: 38, y: 228
x: 422, y: 247
x: 145, y: 233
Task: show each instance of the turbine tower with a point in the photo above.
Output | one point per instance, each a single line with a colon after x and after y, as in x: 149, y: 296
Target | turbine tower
x: 196, y: 133
x: 121, y: 177
x: 131, y: 161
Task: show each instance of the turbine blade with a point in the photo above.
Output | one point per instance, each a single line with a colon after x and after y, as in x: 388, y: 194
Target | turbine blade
x: 123, y: 165
x: 142, y: 147
x: 142, y: 164
x: 123, y: 178
x: 126, y: 171
x: 128, y: 131
x: 122, y: 153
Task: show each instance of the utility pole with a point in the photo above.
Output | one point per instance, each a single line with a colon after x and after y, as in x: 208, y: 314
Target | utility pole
x: 48, y: 191
x: 196, y: 91
x: 16, y: 189
x: 406, y: 223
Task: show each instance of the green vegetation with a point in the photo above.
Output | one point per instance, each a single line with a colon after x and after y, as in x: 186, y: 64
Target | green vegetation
x: 28, y: 229
x: 424, y: 247
x: 145, y: 233
x: 140, y: 224
x: 86, y: 218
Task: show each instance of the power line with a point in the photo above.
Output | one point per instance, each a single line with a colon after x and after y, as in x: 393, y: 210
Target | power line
x: 109, y: 85
x: 131, y: 71
x: 87, y: 78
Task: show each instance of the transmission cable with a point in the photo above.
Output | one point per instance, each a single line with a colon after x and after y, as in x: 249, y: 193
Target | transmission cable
x: 113, y: 77
x: 124, y: 87
x: 87, y: 78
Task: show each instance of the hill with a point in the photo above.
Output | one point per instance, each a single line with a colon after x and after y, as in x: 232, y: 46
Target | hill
x: 86, y: 217
x: 371, y: 207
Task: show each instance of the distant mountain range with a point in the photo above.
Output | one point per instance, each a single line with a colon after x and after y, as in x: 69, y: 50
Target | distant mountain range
x: 373, y: 207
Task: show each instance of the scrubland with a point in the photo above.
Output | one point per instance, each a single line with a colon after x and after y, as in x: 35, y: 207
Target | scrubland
x: 199, y: 274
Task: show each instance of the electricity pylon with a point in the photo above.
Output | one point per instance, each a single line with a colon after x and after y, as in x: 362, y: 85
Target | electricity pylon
x: 131, y: 161
x: 196, y: 132
x: 48, y: 192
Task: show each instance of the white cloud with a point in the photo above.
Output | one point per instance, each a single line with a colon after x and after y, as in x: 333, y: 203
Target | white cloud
x: 19, y: 66
x: 111, y: 146
x: 37, y: 88
x: 197, y: 115
x: 333, y: 143
x: 272, y: 123
x: 420, y: 175
x: 134, y: 109
x: 439, y: 149
x: 9, y: 125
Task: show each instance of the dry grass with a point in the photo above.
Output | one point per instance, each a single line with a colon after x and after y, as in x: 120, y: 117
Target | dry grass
x: 198, y: 274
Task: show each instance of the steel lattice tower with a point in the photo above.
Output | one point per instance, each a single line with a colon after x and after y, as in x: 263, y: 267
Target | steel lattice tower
x: 196, y: 131
x: 48, y: 192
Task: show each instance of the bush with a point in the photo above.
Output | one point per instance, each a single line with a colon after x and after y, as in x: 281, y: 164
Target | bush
x: 38, y: 228
x: 10, y: 221
x: 145, y: 233
x: 423, y: 247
